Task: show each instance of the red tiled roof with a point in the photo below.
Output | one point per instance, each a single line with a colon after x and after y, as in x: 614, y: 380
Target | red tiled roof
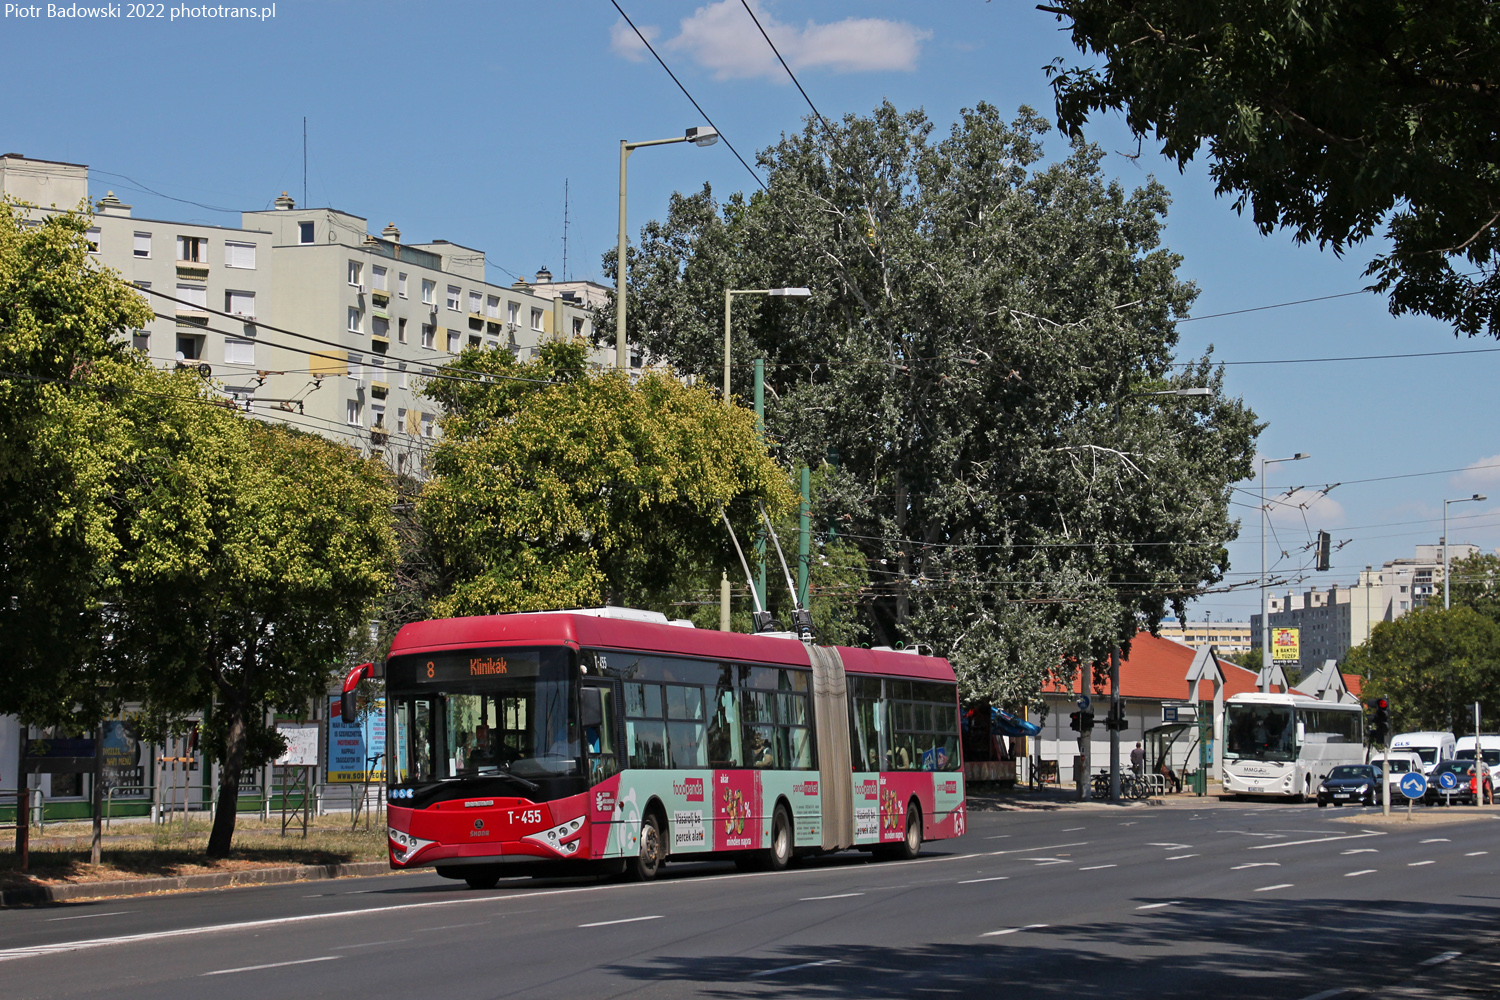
x: 1157, y: 669
x: 1354, y: 683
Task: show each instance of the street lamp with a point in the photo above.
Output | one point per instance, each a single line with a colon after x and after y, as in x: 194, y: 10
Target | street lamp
x: 1265, y: 612
x: 729, y: 293
x: 1476, y: 496
x: 701, y: 136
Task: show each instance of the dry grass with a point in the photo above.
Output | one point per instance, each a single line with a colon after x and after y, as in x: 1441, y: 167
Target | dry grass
x: 145, y: 850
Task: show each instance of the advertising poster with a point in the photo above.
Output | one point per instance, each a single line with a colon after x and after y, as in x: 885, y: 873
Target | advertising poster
x: 351, y: 745
x: 1285, y: 645
x: 301, y: 744
x: 122, y: 759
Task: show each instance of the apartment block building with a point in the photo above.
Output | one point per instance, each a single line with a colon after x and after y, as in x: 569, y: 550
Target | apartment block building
x: 1226, y: 637
x: 305, y: 317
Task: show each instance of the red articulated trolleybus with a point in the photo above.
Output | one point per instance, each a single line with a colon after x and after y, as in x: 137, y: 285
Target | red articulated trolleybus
x: 613, y: 740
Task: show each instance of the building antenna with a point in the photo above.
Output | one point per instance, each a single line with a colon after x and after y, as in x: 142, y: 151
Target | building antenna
x: 304, y: 161
x: 565, y: 229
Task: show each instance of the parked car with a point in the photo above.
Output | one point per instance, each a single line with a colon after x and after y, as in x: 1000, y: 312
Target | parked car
x: 1402, y: 764
x: 1469, y: 783
x: 1352, y: 784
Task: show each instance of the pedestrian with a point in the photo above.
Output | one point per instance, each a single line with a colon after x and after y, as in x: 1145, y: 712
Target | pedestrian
x: 1138, y: 760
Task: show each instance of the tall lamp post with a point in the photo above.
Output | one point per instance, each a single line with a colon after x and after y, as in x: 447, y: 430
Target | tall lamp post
x: 1476, y: 496
x: 1114, y: 654
x: 701, y: 136
x: 1265, y: 611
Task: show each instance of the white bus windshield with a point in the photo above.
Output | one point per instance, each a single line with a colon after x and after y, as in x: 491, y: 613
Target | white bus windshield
x: 1260, y: 732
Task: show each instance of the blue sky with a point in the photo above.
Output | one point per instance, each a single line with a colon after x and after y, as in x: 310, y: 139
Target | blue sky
x: 461, y: 121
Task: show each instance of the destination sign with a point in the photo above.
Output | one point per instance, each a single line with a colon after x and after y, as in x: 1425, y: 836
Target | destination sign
x: 465, y: 667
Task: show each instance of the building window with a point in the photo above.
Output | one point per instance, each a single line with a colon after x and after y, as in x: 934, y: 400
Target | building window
x: 473, y: 340
x: 353, y: 412
x: 377, y: 277
x: 189, y: 348
x: 429, y: 336
x: 240, y: 304
x: 402, y: 376
x: 141, y: 341
x: 454, y: 294
x: 513, y: 312
x: 356, y: 371
x: 428, y: 425
x: 143, y: 244
x: 401, y: 284
x: 578, y: 326
x: 356, y: 273
x: 192, y: 249
x: 377, y: 416
x: 401, y: 330
x: 380, y: 327
x: 492, y: 307
x: 429, y: 289
x: 453, y: 342
x: 304, y: 232
x: 354, y: 320
x: 92, y: 238
x: 193, y: 296
x: 400, y: 419
x: 239, y: 352
x: 536, y: 320
x: 475, y: 298
x: 241, y: 255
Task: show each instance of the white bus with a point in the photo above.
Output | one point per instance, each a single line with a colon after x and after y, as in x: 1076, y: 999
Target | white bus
x: 1285, y: 744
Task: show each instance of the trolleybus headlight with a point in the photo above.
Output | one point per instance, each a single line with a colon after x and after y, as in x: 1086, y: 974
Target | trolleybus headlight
x: 407, y: 845
x: 562, y: 838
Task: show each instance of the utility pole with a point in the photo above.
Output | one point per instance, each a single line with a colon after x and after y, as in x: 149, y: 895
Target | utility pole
x: 804, y: 537
x: 760, y: 427
x: 1114, y: 730
x: 1085, y: 736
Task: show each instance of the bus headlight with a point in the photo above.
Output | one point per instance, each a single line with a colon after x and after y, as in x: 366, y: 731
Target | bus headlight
x: 564, y: 838
x: 404, y: 846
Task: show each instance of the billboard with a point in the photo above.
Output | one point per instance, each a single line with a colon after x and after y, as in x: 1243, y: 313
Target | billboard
x: 1286, y: 645
x: 301, y: 744
x: 352, y: 744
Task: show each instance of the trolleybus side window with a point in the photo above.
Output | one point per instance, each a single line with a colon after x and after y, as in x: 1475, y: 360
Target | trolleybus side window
x: 645, y: 727
x: 776, y: 730
x: 599, y: 741
x: 865, y: 718
x: 685, y: 726
x: 924, y: 720
x: 724, y: 746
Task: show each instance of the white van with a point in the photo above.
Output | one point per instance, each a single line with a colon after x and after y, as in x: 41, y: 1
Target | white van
x: 1403, y: 762
x: 1433, y: 748
x: 1489, y: 748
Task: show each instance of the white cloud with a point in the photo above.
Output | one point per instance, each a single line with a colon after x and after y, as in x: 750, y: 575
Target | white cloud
x: 1484, y: 472
x: 623, y: 41
x: 721, y: 38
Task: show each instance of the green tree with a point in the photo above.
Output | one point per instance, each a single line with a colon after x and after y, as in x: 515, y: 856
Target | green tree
x: 1432, y: 665
x: 1326, y: 118
x: 252, y: 556
x: 969, y: 377
x: 1472, y: 583
x: 555, y: 487
x: 60, y: 445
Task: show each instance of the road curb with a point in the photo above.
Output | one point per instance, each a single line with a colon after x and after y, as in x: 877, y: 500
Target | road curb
x: 36, y: 894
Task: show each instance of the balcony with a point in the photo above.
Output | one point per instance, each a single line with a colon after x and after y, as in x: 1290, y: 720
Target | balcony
x: 379, y: 435
x: 379, y: 390
x: 380, y: 296
x: 192, y: 270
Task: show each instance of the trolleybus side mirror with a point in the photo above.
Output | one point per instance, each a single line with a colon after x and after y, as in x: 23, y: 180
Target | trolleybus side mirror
x: 591, y: 707
x: 351, y: 682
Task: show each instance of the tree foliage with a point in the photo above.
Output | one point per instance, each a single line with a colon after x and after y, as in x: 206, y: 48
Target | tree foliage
x: 968, y: 375
x: 1474, y: 582
x: 1327, y: 118
x: 1432, y: 665
x: 556, y: 487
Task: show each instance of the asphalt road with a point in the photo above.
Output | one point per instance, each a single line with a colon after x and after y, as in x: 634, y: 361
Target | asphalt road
x: 1223, y: 902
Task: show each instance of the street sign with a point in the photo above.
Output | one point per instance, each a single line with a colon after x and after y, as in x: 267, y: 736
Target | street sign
x: 1083, y: 703
x: 1413, y: 785
x: 1447, y: 781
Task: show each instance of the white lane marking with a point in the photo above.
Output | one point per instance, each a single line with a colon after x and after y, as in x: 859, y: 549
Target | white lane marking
x: 1362, y: 871
x: 1157, y: 906
x: 1417, y: 864
x: 1180, y: 857
x: 1328, y: 994
x: 626, y: 920
x: 271, y: 965
x: 1446, y: 956
x: 1013, y: 930
x: 90, y: 916
x: 1094, y: 868
x: 450, y: 927
x: 790, y: 968
x: 1049, y: 847
x: 1361, y: 850
x: 1475, y: 854
x: 998, y: 836
x: 1279, y: 885
x: 841, y: 895
x: 995, y: 878
x: 1178, y: 847
x: 1435, y: 840
x: 1073, y: 829
x: 1317, y: 840
x: 367, y: 944
x: 1257, y: 864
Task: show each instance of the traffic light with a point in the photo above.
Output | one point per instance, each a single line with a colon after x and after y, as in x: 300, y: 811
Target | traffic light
x: 1324, y: 542
x: 1115, y: 720
x: 1380, y: 721
x: 1073, y: 722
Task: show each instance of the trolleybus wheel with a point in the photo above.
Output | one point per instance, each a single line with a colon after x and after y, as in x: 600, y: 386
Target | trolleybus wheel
x: 486, y: 880
x: 909, y: 846
x: 644, y: 866
x: 780, y: 854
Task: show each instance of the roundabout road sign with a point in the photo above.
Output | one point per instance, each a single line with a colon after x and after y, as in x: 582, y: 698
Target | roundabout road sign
x: 1447, y: 781
x: 1083, y: 703
x: 1413, y: 785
